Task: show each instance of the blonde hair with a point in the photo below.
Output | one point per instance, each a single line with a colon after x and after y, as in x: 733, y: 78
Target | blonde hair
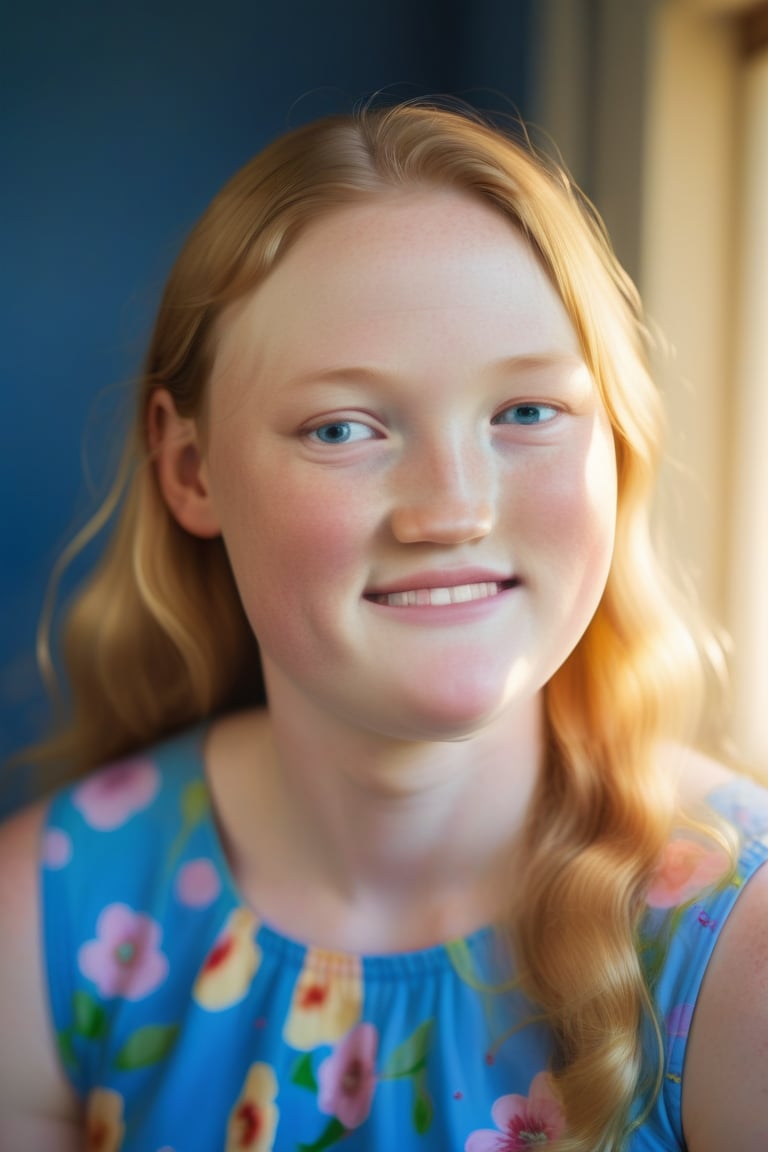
x: 158, y: 638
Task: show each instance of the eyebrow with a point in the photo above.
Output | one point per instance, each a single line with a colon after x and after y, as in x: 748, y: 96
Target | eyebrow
x: 357, y: 374
x: 533, y: 361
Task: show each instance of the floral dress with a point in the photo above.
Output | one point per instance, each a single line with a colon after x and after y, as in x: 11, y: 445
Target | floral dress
x: 187, y: 1025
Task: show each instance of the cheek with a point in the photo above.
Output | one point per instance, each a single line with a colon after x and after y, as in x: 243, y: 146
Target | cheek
x: 568, y: 508
x: 593, y: 520
x: 323, y: 520
x: 285, y: 535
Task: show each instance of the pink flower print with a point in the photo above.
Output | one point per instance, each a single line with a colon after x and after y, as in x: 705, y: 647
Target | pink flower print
x: 110, y: 797
x: 686, y: 867
x: 678, y: 1020
x: 522, y: 1122
x: 57, y: 849
x: 197, y: 884
x: 125, y: 958
x: 347, y: 1079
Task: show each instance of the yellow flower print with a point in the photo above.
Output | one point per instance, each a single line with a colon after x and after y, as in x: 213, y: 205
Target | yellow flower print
x: 253, y: 1120
x: 104, y: 1128
x: 327, y: 1000
x: 231, y: 964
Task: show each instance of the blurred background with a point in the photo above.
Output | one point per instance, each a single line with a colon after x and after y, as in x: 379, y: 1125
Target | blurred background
x: 119, y: 122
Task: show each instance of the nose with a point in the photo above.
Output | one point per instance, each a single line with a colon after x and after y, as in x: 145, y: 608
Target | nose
x: 445, y: 497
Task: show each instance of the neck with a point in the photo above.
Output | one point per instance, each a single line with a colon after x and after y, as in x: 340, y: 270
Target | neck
x: 380, y: 833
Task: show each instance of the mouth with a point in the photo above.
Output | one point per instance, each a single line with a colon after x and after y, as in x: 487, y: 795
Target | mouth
x: 439, y: 597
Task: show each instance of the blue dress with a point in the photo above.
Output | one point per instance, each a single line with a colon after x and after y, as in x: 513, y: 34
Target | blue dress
x: 187, y: 1025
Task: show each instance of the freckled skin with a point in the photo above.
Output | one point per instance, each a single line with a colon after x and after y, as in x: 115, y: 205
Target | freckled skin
x: 425, y: 294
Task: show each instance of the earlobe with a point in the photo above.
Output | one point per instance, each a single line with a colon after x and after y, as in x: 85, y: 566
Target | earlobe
x: 180, y: 467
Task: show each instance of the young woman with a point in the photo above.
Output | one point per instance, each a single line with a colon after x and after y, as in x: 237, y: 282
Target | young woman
x: 390, y: 834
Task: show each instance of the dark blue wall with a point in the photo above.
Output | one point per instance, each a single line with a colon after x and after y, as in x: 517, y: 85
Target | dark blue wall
x: 119, y: 122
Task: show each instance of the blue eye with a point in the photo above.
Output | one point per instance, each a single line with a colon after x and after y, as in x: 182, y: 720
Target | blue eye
x: 341, y: 432
x: 526, y: 414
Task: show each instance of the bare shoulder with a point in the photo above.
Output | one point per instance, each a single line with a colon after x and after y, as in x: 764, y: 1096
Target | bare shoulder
x: 725, y: 1090
x: 37, y: 1107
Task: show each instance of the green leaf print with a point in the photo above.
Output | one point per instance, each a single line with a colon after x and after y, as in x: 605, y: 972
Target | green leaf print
x: 411, y: 1056
x: 194, y: 807
x: 460, y: 955
x: 302, y: 1074
x: 148, y: 1045
x: 194, y: 803
x: 332, y: 1135
x: 653, y: 951
x: 423, y: 1109
x: 463, y: 964
x: 89, y: 1018
x: 67, y: 1050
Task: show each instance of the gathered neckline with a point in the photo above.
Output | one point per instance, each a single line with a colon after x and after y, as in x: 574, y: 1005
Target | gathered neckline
x: 294, y: 952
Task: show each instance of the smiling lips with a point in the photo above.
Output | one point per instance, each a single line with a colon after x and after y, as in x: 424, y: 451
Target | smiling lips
x: 437, y: 597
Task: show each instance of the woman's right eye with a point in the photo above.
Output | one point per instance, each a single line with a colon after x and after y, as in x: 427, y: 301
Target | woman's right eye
x: 341, y: 432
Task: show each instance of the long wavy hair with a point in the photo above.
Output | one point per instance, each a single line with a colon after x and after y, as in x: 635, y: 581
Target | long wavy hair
x: 157, y: 639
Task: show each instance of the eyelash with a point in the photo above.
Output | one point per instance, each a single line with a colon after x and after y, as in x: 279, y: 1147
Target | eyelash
x: 370, y: 434
x: 314, y: 432
x: 529, y: 408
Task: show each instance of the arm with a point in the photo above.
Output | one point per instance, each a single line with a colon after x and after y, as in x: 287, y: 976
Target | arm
x: 725, y: 1078
x: 38, y: 1109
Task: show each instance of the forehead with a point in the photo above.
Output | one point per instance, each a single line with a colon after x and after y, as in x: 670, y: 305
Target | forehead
x: 364, y: 276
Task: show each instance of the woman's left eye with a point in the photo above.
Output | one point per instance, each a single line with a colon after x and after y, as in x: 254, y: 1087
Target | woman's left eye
x: 341, y: 432
x: 526, y: 414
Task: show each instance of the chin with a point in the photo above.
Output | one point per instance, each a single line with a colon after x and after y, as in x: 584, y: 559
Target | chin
x: 460, y: 715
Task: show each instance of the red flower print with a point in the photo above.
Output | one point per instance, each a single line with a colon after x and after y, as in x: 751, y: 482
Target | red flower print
x: 248, y: 1118
x: 253, y: 1120
x: 314, y: 995
x: 104, y: 1128
x: 230, y: 966
x: 327, y: 1000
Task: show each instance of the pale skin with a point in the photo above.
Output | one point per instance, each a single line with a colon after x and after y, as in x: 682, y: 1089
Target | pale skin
x: 402, y: 406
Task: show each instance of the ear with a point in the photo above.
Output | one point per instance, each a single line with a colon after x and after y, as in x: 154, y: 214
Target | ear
x: 181, y: 469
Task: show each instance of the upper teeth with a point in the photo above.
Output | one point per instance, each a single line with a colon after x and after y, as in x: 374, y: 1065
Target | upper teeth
x: 457, y: 594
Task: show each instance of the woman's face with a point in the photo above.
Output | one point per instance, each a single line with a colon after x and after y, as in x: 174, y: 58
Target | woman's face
x: 412, y: 469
